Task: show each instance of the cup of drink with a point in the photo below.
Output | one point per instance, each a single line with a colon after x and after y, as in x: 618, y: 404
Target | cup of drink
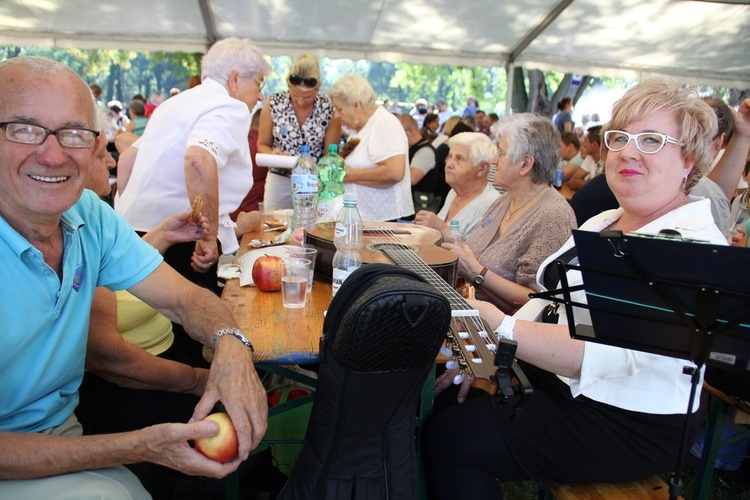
x: 264, y: 215
x: 294, y: 282
x: 305, y: 253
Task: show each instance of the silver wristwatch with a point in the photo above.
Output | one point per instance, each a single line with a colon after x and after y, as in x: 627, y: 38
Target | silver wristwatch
x: 235, y: 332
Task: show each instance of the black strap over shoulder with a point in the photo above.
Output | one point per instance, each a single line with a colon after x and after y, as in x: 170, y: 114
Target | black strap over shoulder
x: 551, y: 276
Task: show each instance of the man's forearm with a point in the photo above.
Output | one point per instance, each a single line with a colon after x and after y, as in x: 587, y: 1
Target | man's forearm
x: 33, y: 455
x: 202, y: 178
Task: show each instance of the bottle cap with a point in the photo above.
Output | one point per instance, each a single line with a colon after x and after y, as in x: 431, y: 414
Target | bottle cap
x: 350, y: 198
x: 333, y: 148
x: 304, y: 148
x: 454, y: 224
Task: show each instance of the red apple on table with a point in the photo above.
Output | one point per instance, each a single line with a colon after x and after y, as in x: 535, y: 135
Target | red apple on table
x: 267, y: 273
x: 223, y: 447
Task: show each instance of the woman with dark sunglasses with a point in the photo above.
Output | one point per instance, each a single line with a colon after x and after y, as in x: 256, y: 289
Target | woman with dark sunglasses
x: 289, y: 119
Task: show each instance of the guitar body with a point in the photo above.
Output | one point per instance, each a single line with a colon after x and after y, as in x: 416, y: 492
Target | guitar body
x: 424, y: 241
x: 470, y: 341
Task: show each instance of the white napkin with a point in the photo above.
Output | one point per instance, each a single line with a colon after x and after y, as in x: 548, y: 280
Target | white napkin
x: 247, y: 260
x: 229, y: 271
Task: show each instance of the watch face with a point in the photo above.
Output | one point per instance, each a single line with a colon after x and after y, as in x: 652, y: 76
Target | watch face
x: 479, y: 279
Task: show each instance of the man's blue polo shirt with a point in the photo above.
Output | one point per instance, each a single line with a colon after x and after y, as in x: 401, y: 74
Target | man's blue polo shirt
x: 45, y: 321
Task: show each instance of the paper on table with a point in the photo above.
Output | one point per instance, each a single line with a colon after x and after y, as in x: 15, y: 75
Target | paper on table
x: 275, y: 161
x: 247, y: 260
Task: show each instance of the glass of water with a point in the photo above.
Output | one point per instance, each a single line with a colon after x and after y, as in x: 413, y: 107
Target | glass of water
x: 294, y: 282
x: 305, y: 253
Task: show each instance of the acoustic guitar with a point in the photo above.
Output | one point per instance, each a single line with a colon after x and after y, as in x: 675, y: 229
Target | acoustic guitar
x: 470, y: 343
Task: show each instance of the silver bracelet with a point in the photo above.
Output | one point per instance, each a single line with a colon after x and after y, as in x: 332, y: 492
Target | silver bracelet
x: 505, y: 330
x: 235, y: 332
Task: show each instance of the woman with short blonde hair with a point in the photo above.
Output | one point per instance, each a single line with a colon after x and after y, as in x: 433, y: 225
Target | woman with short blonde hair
x: 299, y: 116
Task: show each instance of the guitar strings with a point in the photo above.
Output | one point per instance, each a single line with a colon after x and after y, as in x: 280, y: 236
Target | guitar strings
x: 457, y: 302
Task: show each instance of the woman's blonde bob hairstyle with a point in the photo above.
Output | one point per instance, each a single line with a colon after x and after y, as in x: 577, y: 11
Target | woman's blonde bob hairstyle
x: 696, y: 120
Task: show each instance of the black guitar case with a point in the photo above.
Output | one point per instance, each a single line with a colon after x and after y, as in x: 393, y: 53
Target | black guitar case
x: 380, y: 339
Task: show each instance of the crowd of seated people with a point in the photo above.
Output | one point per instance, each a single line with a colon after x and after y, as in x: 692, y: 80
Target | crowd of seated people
x: 642, y: 169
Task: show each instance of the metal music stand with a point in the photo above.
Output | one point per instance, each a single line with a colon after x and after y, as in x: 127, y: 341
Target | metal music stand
x: 664, y: 296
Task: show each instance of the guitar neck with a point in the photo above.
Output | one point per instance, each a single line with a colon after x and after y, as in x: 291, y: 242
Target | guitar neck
x: 472, y: 343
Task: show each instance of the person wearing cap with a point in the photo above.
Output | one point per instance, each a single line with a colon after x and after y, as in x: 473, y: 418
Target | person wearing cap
x: 292, y: 118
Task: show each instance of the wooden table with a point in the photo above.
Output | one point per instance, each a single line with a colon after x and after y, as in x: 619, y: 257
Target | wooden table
x: 279, y: 334
x: 566, y: 191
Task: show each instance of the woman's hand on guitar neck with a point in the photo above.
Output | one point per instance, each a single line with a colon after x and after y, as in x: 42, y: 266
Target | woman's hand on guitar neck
x: 488, y: 312
x: 447, y: 379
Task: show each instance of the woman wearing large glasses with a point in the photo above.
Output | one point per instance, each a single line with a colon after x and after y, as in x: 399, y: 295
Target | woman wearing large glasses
x: 598, y: 413
x: 300, y: 115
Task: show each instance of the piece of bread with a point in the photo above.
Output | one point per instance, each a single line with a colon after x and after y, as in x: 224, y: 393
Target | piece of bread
x: 349, y: 147
x: 195, y: 211
x: 468, y: 291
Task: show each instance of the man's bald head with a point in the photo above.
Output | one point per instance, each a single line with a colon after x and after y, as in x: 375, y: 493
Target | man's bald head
x: 17, y: 70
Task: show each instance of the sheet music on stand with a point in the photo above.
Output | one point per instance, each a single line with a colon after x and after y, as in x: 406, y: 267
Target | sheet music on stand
x: 681, y: 299
x: 678, y: 299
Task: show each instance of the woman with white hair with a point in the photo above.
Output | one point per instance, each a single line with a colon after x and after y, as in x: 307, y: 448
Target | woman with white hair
x: 377, y: 169
x: 523, y: 226
x: 196, y: 144
x: 298, y: 116
x: 466, y: 173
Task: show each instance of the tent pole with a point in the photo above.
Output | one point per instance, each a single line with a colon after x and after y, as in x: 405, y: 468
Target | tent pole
x: 509, y: 74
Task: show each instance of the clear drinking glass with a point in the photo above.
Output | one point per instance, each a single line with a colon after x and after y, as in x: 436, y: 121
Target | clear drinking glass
x: 295, y: 273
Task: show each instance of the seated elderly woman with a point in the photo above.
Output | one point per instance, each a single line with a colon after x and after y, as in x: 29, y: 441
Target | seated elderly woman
x: 524, y: 225
x: 377, y: 169
x: 598, y: 413
x: 466, y: 172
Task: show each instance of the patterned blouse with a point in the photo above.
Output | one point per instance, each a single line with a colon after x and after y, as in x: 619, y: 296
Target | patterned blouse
x: 287, y: 134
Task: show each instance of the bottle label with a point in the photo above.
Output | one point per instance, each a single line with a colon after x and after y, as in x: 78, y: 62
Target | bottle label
x: 341, y: 230
x: 339, y: 275
x: 304, y: 184
x: 323, y: 207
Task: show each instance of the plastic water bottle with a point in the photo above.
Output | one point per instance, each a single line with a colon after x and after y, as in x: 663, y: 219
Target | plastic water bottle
x: 559, y: 174
x: 454, y: 235
x: 304, y: 189
x: 348, y: 240
x: 331, y: 170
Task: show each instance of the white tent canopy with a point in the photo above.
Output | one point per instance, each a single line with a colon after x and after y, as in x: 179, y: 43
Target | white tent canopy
x: 698, y: 42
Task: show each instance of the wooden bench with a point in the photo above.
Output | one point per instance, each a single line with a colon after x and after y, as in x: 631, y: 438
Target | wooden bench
x: 652, y: 488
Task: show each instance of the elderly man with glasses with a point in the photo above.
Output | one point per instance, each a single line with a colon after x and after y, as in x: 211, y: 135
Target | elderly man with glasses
x: 58, y: 242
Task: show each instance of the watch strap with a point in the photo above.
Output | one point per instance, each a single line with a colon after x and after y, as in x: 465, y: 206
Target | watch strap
x: 479, y: 281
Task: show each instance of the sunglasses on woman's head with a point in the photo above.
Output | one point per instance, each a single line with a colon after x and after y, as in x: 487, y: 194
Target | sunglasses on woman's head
x: 307, y: 82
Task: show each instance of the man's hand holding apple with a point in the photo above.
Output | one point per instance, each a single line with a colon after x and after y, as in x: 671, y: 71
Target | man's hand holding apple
x: 234, y: 381
x: 167, y: 444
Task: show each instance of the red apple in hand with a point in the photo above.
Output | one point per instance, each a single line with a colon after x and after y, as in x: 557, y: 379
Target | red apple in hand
x: 223, y: 447
x: 267, y: 273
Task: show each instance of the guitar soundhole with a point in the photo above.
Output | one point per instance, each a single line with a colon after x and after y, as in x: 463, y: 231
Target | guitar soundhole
x: 382, y: 247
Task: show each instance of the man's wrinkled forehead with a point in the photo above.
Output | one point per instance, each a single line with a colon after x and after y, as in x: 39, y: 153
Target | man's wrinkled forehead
x: 20, y: 85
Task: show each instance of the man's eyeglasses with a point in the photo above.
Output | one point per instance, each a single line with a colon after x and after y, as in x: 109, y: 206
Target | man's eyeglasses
x: 307, y: 82
x: 261, y: 84
x: 647, y: 142
x: 26, y: 133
